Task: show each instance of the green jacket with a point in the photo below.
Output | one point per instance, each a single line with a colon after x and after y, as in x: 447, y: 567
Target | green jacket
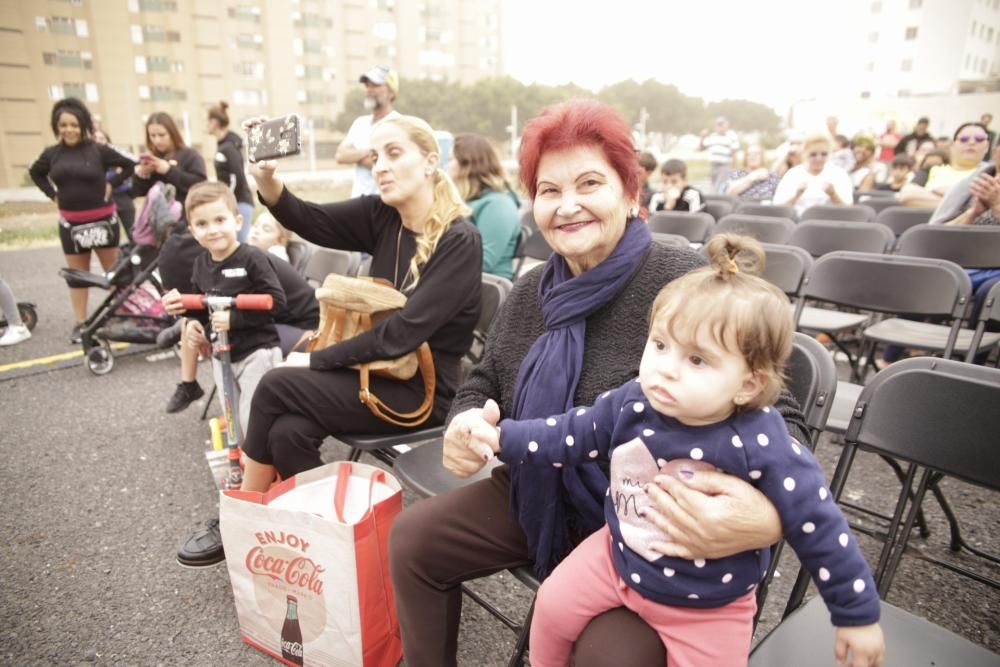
x: 495, y: 214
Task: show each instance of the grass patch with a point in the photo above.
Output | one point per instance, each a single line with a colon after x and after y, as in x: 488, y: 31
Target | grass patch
x: 26, y: 237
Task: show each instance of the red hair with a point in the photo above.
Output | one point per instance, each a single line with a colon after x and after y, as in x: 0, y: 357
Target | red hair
x: 575, y: 123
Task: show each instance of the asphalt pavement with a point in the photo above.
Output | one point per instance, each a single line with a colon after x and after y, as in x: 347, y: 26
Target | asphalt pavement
x: 100, y: 486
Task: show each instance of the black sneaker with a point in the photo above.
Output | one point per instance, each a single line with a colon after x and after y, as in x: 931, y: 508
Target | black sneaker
x: 185, y: 394
x: 203, y: 547
x: 170, y: 336
x: 76, y: 336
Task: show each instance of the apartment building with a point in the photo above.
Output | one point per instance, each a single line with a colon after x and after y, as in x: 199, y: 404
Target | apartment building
x: 129, y: 58
x: 927, y: 47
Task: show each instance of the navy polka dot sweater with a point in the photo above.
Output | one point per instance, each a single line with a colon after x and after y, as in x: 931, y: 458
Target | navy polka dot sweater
x: 754, y: 446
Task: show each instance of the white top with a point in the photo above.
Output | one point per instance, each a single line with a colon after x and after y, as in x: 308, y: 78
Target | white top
x: 360, y: 136
x: 721, y: 147
x: 814, y: 195
x: 279, y: 250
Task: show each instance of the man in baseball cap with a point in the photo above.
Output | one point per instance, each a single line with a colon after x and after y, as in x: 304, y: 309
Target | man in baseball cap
x: 381, y: 85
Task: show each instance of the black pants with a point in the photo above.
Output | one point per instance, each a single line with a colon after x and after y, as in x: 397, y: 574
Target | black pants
x: 294, y: 409
x: 438, y: 543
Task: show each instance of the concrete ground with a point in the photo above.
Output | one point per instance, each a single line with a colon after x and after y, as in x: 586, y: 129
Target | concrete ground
x: 100, y: 485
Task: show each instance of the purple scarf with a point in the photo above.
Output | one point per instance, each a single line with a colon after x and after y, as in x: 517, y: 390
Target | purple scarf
x: 550, y: 501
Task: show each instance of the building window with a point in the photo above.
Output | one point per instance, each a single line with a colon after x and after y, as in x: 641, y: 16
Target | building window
x: 907, y: 65
x: 916, y: 4
x: 153, y: 33
x: 865, y: 94
x: 157, y: 5
x: 872, y: 37
x: 911, y: 34
x: 876, y: 7
x: 140, y: 64
x: 312, y: 45
x: 143, y: 92
x: 989, y: 35
x: 60, y: 25
x: 91, y: 89
x: 973, y: 34
x: 248, y: 41
x: 870, y: 67
x: 55, y: 92
x: 385, y: 31
x: 903, y: 92
x: 77, y: 90
x: 244, y: 13
x: 136, y: 34
x: 49, y: 58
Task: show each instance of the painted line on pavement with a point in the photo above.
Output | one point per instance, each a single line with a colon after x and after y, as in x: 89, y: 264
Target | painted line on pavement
x: 52, y: 359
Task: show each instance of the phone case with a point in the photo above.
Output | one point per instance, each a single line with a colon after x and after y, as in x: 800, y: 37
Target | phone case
x: 276, y: 138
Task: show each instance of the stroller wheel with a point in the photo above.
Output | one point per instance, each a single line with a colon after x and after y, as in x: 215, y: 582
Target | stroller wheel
x: 100, y: 361
x: 29, y: 316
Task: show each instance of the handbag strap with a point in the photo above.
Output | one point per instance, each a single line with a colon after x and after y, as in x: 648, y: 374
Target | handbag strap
x: 425, y: 362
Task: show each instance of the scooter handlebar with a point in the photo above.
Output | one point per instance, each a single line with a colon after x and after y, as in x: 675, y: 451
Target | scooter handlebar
x: 193, y: 301
x: 254, y: 302
x: 241, y: 302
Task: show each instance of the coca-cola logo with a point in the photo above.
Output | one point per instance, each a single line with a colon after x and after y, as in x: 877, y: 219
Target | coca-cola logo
x: 292, y: 648
x: 300, y: 571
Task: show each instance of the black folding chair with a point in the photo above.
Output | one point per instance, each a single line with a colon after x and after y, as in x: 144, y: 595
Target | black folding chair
x: 901, y: 218
x: 532, y: 246
x: 852, y: 213
x: 766, y: 229
x: 324, y: 261
x: 822, y: 236
x: 768, y: 210
x: 940, y: 417
x: 695, y: 227
x: 673, y: 240
x: 718, y: 208
x: 786, y: 266
x: 812, y: 380
x: 989, y: 313
x: 969, y: 246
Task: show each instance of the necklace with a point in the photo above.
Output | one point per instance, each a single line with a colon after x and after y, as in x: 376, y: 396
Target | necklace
x: 395, y: 275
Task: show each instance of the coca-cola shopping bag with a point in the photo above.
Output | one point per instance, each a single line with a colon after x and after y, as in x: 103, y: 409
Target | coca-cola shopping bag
x: 309, y: 565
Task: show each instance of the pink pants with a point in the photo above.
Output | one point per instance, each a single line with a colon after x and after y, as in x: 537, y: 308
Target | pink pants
x: 586, y: 584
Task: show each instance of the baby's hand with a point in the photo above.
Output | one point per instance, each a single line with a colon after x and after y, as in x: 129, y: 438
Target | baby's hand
x: 865, y: 643
x: 172, y: 302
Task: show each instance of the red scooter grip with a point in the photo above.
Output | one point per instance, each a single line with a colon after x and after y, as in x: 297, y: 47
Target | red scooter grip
x: 254, y: 302
x: 193, y: 301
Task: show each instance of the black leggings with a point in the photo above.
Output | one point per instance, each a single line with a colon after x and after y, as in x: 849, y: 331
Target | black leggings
x: 294, y: 409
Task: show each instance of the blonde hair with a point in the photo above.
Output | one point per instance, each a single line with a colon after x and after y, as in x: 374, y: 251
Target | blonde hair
x: 207, y: 192
x: 448, y: 204
x: 744, y: 313
x: 284, y: 236
x: 815, y: 139
x: 479, y: 166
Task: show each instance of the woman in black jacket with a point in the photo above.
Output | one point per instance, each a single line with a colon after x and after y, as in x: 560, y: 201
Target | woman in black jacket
x: 72, y: 174
x: 170, y: 161
x: 229, y: 164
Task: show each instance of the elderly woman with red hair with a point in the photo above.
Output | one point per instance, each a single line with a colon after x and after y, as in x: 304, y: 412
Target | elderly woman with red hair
x: 571, y: 329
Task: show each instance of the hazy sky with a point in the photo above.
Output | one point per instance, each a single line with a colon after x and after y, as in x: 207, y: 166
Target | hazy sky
x: 713, y: 49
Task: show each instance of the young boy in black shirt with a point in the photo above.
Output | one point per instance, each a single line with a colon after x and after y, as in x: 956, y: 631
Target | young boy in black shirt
x: 227, y: 268
x: 677, y: 195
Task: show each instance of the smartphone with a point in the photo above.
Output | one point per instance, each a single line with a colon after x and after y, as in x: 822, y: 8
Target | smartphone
x: 146, y: 157
x: 276, y: 138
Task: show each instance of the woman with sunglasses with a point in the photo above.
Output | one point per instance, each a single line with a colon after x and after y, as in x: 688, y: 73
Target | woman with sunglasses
x: 816, y: 181
x: 968, y: 150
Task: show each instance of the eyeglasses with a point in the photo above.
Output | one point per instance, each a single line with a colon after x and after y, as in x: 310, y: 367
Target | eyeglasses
x: 974, y: 138
x: 817, y: 154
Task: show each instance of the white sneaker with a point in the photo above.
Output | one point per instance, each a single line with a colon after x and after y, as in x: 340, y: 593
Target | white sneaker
x: 15, y: 335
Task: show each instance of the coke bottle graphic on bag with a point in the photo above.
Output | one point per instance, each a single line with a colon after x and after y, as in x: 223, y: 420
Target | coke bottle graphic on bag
x: 291, y: 633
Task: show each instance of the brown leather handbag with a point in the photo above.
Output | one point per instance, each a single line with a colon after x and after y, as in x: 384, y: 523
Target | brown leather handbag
x: 351, y: 306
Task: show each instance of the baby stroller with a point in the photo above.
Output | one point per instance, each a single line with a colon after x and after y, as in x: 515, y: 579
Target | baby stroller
x: 131, y: 312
